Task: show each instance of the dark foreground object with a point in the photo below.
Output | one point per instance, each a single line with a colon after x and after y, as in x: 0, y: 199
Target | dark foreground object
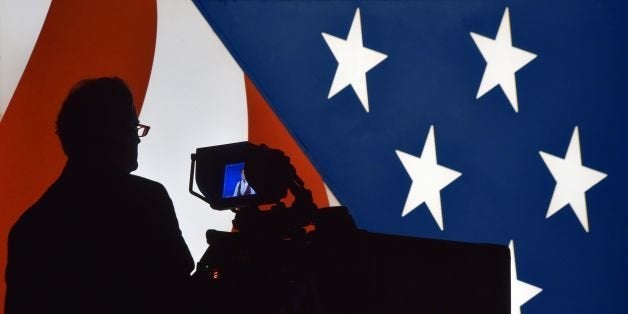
x: 336, y: 269
x: 271, y: 265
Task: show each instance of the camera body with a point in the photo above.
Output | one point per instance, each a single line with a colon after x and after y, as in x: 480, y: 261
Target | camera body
x: 219, y: 169
x: 271, y: 260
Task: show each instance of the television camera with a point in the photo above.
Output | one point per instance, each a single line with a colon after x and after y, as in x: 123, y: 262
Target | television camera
x: 299, y: 258
x: 266, y: 266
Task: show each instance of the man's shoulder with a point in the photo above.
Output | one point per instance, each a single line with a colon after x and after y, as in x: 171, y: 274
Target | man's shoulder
x: 37, y: 217
x: 137, y: 183
x: 40, y: 209
x: 135, y: 179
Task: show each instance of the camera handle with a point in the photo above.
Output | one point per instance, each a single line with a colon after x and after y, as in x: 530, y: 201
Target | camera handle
x: 191, y: 186
x: 302, y: 195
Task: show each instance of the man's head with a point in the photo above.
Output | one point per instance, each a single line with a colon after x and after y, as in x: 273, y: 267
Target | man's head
x: 97, y: 125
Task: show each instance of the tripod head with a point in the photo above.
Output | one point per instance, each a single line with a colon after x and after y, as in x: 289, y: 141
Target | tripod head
x: 267, y: 169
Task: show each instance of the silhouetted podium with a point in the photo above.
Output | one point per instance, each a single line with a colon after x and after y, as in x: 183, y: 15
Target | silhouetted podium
x: 413, y: 275
x: 353, y: 271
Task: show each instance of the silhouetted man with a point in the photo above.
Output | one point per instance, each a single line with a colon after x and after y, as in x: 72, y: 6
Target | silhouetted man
x: 100, y: 240
x: 243, y: 187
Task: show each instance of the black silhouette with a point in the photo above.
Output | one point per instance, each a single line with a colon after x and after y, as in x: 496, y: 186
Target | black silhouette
x: 100, y: 240
x: 272, y: 265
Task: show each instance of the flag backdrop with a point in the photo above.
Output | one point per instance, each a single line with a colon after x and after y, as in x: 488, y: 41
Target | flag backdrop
x: 479, y: 121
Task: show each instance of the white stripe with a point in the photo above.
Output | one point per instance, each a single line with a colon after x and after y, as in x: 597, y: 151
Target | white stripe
x: 195, y: 98
x: 20, y: 25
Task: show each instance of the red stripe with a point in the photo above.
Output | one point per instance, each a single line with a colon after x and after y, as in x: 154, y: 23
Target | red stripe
x: 266, y: 128
x: 79, y: 39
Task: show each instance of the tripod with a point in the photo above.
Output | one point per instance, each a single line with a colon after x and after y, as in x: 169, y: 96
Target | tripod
x: 264, y: 267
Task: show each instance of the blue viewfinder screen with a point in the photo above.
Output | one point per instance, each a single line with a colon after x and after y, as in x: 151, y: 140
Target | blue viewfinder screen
x: 235, y: 183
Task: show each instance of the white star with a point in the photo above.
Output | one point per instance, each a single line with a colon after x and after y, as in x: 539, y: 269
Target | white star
x: 354, y: 60
x: 572, y: 180
x: 502, y: 61
x: 520, y: 292
x: 428, y: 178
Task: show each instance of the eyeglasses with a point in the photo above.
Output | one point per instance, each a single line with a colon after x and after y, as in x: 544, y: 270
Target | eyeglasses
x: 142, y: 130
